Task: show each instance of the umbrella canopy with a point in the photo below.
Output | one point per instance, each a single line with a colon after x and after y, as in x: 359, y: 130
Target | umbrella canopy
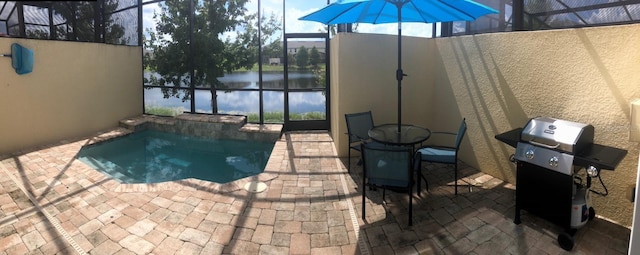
x: 391, y: 11
x: 387, y: 11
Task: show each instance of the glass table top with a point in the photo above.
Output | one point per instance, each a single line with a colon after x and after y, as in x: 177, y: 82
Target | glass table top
x: 408, y: 135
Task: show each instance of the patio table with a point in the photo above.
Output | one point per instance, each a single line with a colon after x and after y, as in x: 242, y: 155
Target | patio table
x: 409, y: 135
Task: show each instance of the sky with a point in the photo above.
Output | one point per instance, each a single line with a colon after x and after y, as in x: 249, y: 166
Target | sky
x: 299, y: 8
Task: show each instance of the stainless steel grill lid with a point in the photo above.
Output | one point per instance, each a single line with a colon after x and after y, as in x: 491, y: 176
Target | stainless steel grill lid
x: 566, y: 136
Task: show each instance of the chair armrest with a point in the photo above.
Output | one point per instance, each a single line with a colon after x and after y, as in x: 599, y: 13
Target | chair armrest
x: 357, y: 137
x: 438, y: 147
x: 443, y: 133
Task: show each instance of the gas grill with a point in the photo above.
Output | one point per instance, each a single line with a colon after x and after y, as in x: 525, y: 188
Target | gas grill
x: 550, y: 154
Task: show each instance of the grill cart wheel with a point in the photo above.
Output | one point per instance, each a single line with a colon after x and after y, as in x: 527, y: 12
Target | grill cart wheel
x: 592, y: 213
x: 566, y: 241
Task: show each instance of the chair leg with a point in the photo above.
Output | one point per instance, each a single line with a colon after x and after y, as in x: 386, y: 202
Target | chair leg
x: 418, y: 190
x: 426, y: 183
x: 383, y: 192
x: 410, y: 206
x: 363, y: 196
x: 349, y: 162
x: 419, y: 174
x: 420, y: 179
x: 455, y: 176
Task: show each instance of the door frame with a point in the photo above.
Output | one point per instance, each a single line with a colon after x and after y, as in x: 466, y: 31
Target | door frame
x: 325, y: 124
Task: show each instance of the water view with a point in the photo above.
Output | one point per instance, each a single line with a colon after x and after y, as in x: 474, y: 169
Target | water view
x: 247, y: 102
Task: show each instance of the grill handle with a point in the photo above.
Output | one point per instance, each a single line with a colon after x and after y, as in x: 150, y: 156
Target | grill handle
x: 544, y: 145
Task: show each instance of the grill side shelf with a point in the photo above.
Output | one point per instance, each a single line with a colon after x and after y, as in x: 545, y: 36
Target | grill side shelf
x: 600, y: 156
x: 511, y: 138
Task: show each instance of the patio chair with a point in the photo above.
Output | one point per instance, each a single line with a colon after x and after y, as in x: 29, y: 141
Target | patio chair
x: 442, y: 154
x: 387, y: 167
x: 358, y: 125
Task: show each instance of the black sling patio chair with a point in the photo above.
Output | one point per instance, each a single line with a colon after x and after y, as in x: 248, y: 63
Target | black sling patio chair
x: 442, y: 154
x: 358, y: 126
x: 387, y: 167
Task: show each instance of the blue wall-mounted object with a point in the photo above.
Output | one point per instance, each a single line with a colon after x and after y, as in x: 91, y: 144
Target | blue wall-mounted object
x: 21, y: 59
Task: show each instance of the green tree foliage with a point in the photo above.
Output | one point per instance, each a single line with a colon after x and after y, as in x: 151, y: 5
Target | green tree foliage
x: 320, y: 78
x: 290, y: 59
x: 270, y: 27
x: 314, y: 57
x: 213, y: 53
x: 273, y: 50
x: 37, y: 34
x: 302, y: 57
x: 81, y: 19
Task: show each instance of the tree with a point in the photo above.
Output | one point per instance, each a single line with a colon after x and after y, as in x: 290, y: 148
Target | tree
x: 37, y: 34
x: 81, y: 19
x: 290, y: 58
x: 273, y: 50
x: 314, y: 57
x: 302, y: 58
x: 270, y: 27
x: 213, y: 55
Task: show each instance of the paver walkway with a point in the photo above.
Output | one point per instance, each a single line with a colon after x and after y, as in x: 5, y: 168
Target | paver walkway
x: 51, y: 203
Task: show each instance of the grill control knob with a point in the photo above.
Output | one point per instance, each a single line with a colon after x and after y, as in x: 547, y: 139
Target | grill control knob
x: 592, y: 171
x: 553, y: 162
x: 529, y: 154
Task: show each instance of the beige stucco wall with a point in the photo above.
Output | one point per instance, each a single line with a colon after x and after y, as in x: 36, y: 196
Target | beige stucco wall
x: 363, y: 77
x: 498, y: 81
x: 75, y: 89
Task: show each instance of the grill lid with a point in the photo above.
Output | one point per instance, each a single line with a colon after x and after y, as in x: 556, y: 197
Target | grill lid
x: 562, y: 135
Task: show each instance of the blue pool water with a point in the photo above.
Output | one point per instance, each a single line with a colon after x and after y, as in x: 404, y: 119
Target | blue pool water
x: 152, y: 156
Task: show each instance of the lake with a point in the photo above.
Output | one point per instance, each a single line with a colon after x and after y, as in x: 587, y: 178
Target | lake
x: 244, y: 102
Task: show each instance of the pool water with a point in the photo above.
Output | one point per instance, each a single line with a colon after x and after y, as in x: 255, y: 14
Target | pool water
x: 152, y: 156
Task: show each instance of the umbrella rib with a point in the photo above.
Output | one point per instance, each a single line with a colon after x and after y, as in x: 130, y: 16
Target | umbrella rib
x: 378, y: 15
x: 397, y: 3
x: 346, y: 10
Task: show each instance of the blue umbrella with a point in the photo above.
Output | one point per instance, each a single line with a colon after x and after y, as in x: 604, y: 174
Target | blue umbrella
x: 390, y: 11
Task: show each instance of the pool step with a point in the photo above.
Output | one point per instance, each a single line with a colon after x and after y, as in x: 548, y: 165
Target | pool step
x: 143, y: 122
x: 217, y: 126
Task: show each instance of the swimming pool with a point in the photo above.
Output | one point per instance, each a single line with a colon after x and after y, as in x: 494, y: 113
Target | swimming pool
x: 152, y: 156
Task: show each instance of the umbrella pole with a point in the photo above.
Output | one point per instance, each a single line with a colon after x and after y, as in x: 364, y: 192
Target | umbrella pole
x: 399, y: 73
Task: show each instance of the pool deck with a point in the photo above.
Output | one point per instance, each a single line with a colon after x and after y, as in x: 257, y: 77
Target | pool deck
x: 51, y: 203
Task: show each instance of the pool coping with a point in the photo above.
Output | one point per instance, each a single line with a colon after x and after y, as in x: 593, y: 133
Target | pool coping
x: 130, y: 125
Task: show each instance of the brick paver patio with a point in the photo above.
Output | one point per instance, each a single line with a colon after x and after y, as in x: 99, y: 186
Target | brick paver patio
x: 51, y: 203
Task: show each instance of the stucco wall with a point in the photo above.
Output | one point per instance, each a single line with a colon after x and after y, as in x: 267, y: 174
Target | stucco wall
x: 75, y: 89
x: 498, y: 81
x: 363, y: 77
